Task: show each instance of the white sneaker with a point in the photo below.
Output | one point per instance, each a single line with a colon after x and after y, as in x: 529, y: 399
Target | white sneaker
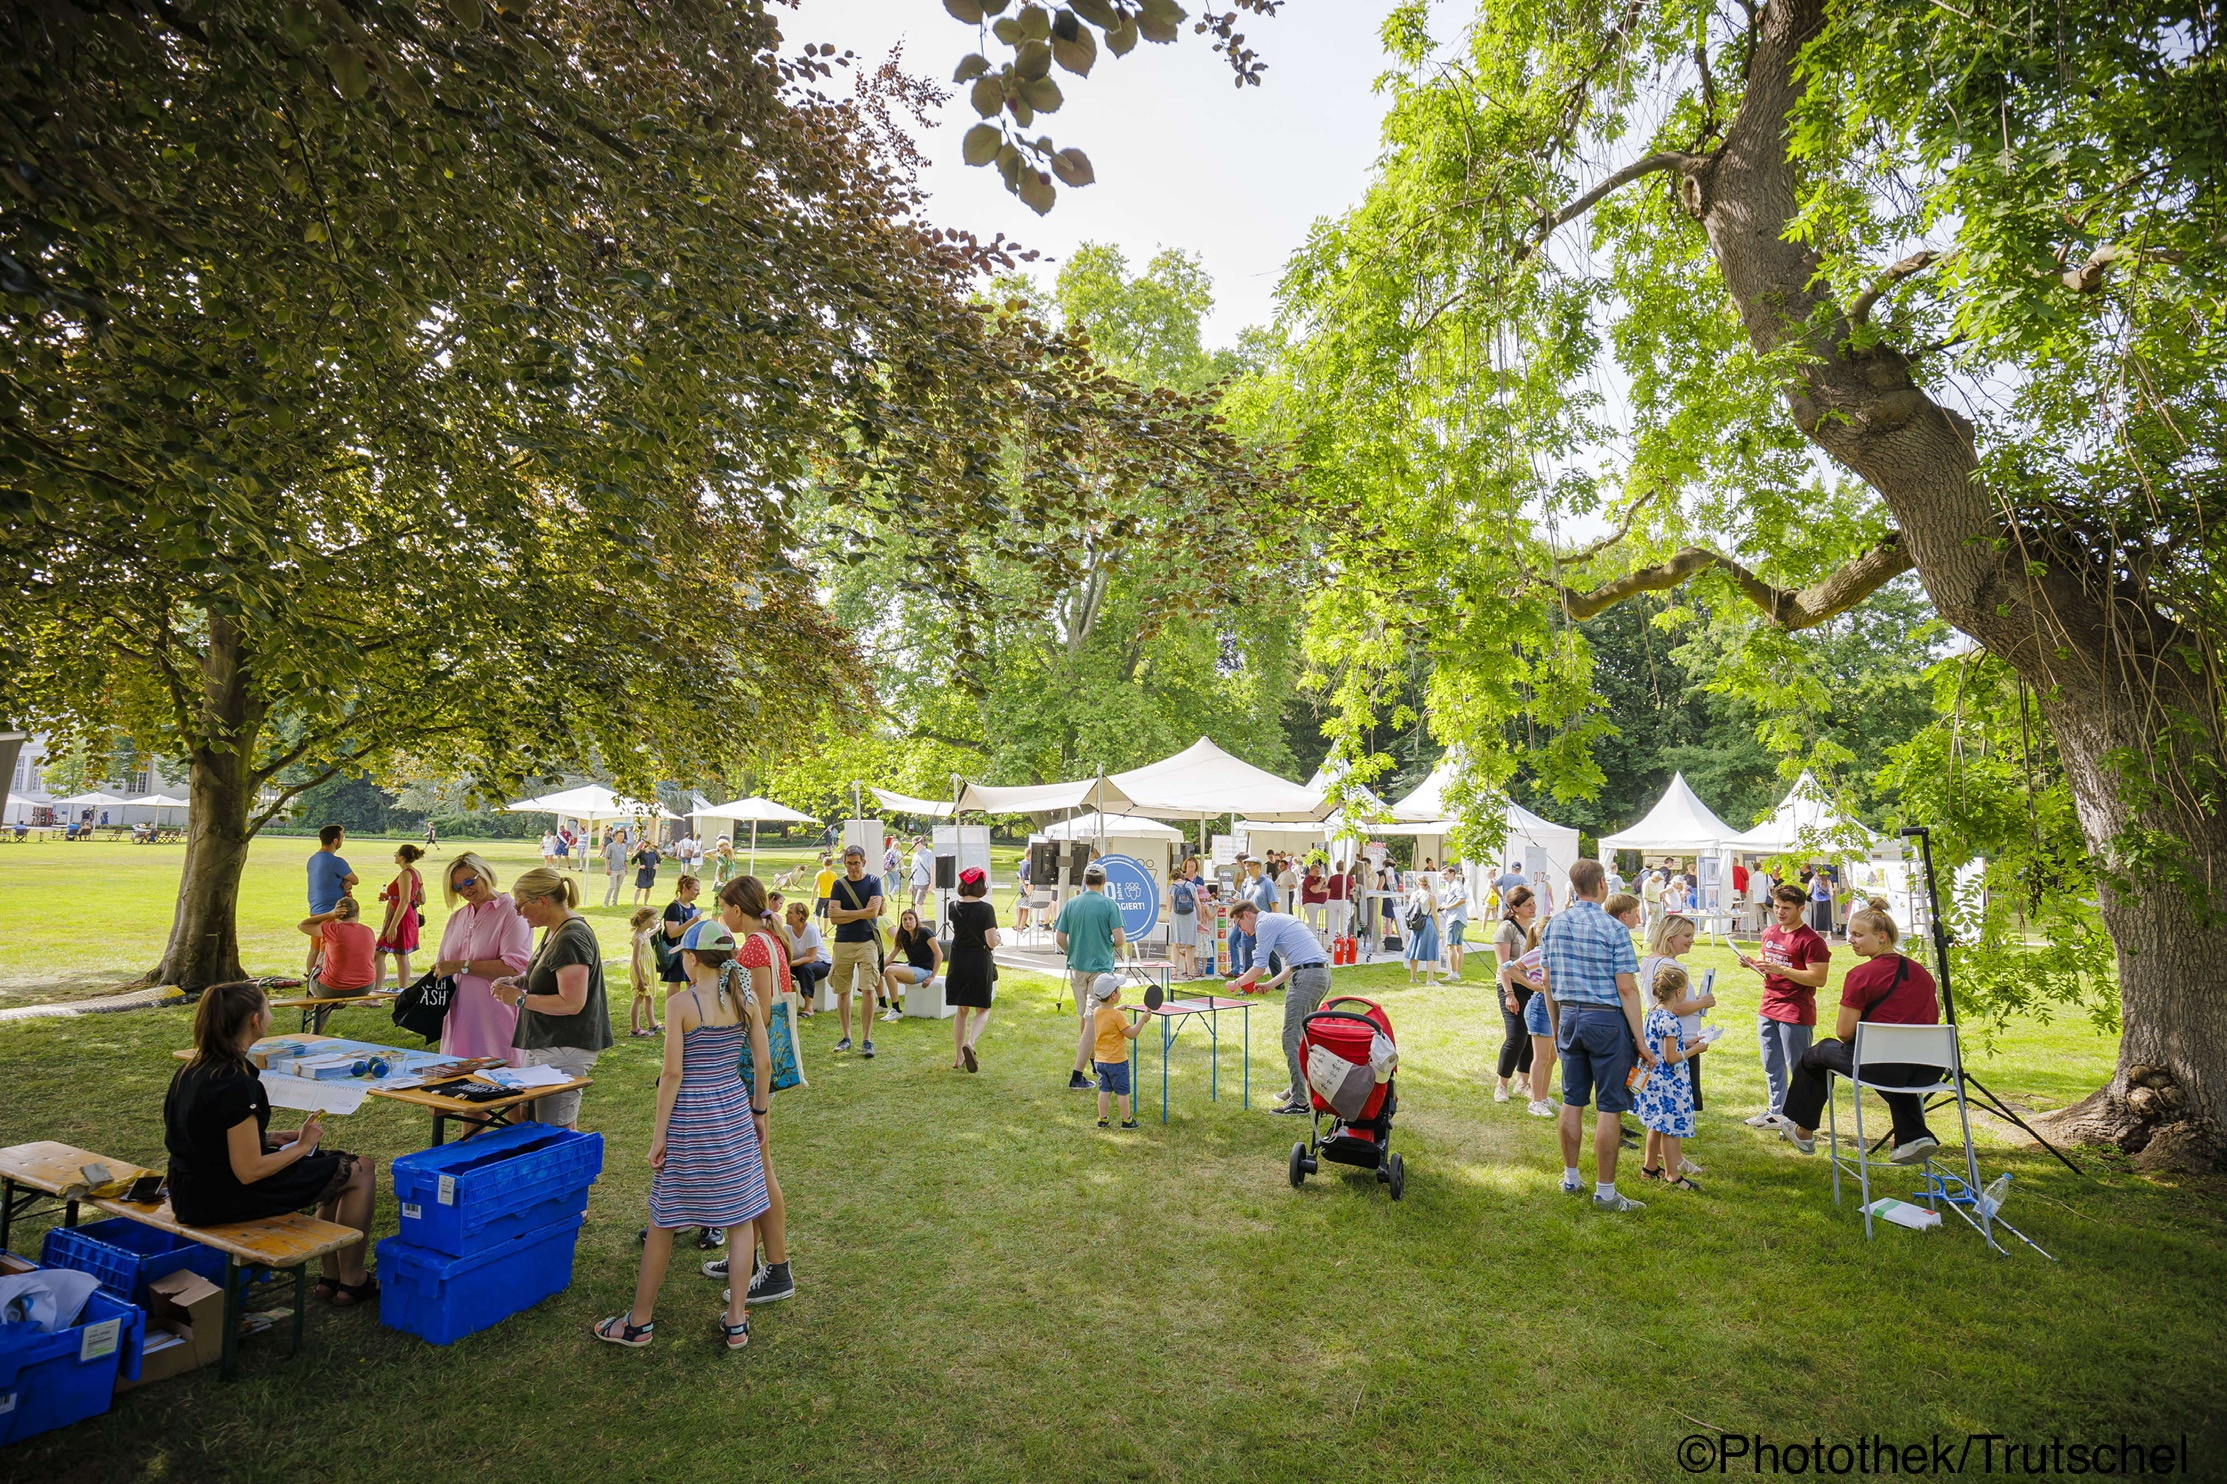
x: 892, y: 1015
x: 1539, y: 1108
x: 1616, y: 1200
x: 1915, y: 1151
x: 1500, y: 1093
x: 1786, y: 1132
x: 1762, y: 1120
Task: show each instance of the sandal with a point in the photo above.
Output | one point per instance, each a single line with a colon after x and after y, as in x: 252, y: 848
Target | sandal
x: 1647, y: 1172
x: 325, y: 1288
x: 738, y: 1335
x: 1682, y: 1183
x: 619, y: 1331
x: 348, y: 1295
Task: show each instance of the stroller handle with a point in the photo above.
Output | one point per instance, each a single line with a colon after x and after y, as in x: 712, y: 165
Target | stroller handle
x: 1348, y: 999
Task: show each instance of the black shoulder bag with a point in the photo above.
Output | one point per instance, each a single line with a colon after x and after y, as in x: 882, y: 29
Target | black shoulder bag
x: 422, y: 1009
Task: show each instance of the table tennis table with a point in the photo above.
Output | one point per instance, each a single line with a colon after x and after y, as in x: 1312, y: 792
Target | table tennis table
x: 1171, y: 1013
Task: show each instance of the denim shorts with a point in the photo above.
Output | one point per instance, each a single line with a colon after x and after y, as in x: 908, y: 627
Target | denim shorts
x: 1454, y: 928
x: 1113, y: 1077
x: 1535, y: 1015
x: 1597, y: 1055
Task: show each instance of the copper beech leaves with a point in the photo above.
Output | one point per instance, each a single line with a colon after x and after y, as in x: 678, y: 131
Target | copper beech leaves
x: 1040, y: 37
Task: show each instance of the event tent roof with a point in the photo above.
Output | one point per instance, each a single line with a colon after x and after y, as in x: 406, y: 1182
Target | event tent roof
x: 590, y: 801
x: 94, y: 800
x: 1427, y: 800
x: 897, y: 803
x: 757, y: 809
x: 1043, y: 798
x: 1202, y: 779
x: 1115, y: 827
x: 1806, y: 820
x: 1678, y: 822
x: 156, y: 801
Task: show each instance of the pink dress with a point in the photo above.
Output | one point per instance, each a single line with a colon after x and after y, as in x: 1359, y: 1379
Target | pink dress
x: 479, y: 1024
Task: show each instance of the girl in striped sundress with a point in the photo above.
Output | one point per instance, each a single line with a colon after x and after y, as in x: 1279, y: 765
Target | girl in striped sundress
x: 709, y: 1126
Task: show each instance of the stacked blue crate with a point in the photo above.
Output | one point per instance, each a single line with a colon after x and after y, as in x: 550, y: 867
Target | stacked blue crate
x: 488, y: 1228
x: 51, y: 1380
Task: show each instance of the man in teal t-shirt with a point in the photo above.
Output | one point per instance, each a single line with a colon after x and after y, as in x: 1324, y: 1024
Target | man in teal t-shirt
x: 1088, y: 930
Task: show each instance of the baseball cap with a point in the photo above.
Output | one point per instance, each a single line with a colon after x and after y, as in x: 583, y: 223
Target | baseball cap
x: 1106, y: 986
x: 707, y: 936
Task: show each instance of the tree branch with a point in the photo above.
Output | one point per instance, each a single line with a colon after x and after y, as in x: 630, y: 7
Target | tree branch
x: 1790, y: 610
x: 1671, y: 159
x: 1860, y: 311
x: 923, y: 734
x: 1623, y: 528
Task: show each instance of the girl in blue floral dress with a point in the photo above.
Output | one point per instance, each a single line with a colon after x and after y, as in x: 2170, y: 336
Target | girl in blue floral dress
x: 1665, y: 1103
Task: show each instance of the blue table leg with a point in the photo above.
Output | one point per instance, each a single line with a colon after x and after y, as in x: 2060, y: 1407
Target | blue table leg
x: 1214, y: 1055
x: 1248, y: 1008
x: 1165, y: 1041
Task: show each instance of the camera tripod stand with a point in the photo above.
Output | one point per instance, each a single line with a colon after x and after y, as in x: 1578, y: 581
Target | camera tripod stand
x: 1977, y: 1091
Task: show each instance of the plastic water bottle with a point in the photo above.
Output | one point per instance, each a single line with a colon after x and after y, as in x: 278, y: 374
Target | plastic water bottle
x: 1991, y: 1199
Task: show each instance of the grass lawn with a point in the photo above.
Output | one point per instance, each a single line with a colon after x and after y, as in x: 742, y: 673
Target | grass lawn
x: 990, y: 1288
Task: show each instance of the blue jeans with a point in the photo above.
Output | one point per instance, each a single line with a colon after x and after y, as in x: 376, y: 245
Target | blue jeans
x: 1240, y: 952
x: 1113, y: 1077
x: 1783, y: 1048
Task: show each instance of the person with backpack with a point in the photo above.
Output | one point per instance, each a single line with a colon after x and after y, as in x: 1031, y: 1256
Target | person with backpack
x: 1183, y: 911
x: 1421, y: 922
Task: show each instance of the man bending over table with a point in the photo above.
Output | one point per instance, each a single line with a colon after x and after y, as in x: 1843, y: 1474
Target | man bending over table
x: 1306, y: 969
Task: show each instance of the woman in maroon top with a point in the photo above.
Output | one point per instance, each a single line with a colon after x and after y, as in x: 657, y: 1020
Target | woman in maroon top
x: 1794, y: 964
x: 1314, y: 896
x: 1885, y: 988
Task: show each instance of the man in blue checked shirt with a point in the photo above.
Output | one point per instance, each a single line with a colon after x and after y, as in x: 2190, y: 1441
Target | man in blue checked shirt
x: 1306, y: 970
x: 1591, y: 975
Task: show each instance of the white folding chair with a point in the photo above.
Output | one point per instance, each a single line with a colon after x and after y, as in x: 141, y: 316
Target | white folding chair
x: 1908, y: 1045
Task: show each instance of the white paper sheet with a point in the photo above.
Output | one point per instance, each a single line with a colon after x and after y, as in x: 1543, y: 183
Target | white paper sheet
x: 311, y: 1096
x: 525, y: 1077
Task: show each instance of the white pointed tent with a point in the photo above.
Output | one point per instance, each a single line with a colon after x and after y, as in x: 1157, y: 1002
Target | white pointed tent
x: 1806, y: 821
x: 157, y: 806
x: 897, y: 803
x: 592, y: 802
x: 1680, y: 824
x: 1538, y: 842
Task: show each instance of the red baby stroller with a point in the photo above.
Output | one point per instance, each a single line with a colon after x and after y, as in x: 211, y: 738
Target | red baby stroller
x: 1339, y: 1052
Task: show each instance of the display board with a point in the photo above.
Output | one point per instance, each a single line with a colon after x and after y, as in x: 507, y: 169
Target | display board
x: 1135, y: 889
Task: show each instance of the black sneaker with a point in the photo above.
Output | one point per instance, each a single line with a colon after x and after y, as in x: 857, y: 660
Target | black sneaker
x: 1128, y: 1123
x: 844, y: 1044
x: 1291, y: 1109
x: 771, y: 1284
x: 716, y: 1268
x: 1105, y: 1123
x: 866, y: 1049
x: 710, y: 1239
x: 1077, y: 1082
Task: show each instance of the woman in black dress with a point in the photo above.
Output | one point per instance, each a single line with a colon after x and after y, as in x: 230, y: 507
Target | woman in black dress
x: 969, y: 979
x: 226, y: 1163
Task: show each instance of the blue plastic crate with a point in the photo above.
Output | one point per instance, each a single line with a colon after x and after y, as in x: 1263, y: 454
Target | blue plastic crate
x: 443, y: 1298
x: 45, y: 1380
x: 127, y: 1255
x: 460, y: 1198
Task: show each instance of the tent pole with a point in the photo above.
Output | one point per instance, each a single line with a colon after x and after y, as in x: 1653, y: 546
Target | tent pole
x: 753, y: 847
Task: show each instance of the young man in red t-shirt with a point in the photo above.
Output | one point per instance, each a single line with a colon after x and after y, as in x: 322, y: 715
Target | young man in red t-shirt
x: 1886, y: 989
x: 1794, y: 963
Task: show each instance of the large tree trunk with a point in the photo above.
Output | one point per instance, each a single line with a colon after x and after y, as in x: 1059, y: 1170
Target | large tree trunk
x: 204, y: 933
x: 2113, y: 687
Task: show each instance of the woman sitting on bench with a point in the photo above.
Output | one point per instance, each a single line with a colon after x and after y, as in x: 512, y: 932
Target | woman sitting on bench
x: 227, y: 1164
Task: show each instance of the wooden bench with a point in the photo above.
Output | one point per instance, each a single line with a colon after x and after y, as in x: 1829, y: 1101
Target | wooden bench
x: 280, y: 1243
x: 30, y: 1173
x: 311, y: 1005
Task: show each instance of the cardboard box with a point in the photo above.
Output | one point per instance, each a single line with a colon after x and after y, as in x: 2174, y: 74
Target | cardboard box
x: 190, y: 1307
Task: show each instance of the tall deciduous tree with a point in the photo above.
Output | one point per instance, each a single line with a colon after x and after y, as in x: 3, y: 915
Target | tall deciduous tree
x: 385, y: 376
x: 1972, y: 255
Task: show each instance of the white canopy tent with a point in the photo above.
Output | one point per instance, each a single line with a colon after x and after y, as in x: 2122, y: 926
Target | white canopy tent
x: 1147, y: 840
x: 756, y: 810
x: 897, y: 803
x: 19, y: 808
x: 591, y: 804
x: 1807, y: 822
x: 1043, y: 798
x: 1538, y: 843
x: 157, y: 806
x: 94, y: 800
x: 1681, y: 825
x: 1203, y: 781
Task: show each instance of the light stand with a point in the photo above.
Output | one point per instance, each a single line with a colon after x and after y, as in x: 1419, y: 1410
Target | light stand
x: 1941, y: 941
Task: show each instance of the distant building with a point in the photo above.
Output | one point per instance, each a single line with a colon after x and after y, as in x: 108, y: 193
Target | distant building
x: 32, y: 801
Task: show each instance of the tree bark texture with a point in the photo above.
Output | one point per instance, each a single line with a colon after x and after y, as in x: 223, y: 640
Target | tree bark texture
x: 2113, y: 689
x: 204, y: 946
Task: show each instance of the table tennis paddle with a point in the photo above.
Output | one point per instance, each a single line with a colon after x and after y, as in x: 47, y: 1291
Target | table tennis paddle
x: 1153, y: 997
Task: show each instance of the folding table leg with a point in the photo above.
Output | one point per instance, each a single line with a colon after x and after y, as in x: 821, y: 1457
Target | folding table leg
x: 1166, y: 1041
x: 231, y: 1341
x: 301, y: 1305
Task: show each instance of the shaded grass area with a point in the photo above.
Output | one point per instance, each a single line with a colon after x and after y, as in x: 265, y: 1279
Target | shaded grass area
x: 990, y: 1288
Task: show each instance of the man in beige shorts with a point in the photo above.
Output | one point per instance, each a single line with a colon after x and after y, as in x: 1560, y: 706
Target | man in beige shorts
x: 854, y: 906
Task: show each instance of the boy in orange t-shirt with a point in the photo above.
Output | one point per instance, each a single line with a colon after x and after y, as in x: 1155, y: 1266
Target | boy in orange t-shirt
x: 1111, y: 1034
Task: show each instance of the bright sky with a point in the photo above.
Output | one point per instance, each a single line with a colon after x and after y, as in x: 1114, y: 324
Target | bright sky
x: 1184, y: 159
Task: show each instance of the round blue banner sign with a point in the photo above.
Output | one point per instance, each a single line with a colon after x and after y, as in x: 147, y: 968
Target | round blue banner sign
x: 1134, y: 891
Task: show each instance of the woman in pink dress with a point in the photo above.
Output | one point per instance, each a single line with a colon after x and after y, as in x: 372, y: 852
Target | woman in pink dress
x: 485, y: 939
x: 398, y: 932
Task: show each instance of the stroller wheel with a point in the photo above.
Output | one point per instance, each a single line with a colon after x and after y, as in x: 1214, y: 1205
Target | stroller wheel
x: 1299, y: 1163
x: 1396, y: 1176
